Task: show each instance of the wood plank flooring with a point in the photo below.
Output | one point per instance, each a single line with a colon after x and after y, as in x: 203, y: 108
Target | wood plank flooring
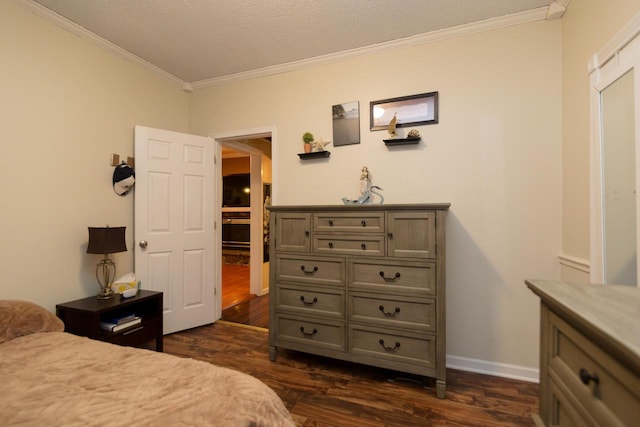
x: 321, y: 392
x: 238, y: 305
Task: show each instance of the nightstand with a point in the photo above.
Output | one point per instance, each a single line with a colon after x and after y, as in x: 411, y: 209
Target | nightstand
x: 82, y: 317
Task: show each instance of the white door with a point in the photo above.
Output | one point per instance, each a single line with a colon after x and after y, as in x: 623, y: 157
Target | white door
x: 173, y: 224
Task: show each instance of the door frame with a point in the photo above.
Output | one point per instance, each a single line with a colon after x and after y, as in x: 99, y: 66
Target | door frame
x: 620, y: 55
x: 230, y: 138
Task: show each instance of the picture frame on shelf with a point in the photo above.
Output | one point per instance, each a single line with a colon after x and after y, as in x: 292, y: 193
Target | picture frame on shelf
x: 413, y: 110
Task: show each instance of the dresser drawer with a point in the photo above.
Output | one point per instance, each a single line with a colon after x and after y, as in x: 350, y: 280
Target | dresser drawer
x: 415, y: 278
x: 397, y: 346
x: 393, y: 311
x: 365, y: 222
x: 349, y: 244
x: 565, y: 412
x: 613, y: 399
x: 312, y: 270
x: 303, y: 331
x: 314, y: 301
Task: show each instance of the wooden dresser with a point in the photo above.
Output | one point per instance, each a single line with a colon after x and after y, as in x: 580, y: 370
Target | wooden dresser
x: 589, y: 354
x: 361, y: 283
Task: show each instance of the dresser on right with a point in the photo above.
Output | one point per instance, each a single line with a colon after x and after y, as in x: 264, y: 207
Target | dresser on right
x: 589, y: 354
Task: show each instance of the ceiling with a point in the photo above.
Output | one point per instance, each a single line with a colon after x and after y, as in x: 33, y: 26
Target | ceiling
x: 200, y: 40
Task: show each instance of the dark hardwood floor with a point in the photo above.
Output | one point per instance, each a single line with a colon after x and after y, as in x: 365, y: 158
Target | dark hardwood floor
x: 238, y: 305
x: 324, y: 392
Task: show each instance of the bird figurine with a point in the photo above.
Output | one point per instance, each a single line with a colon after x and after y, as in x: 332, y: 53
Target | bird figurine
x: 392, y: 126
x: 319, y: 145
x: 366, y: 198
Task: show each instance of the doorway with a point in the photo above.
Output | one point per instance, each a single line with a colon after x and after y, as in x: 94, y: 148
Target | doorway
x: 615, y: 159
x: 246, y: 187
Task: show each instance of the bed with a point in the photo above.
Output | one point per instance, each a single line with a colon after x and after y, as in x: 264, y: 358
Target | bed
x: 49, y: 377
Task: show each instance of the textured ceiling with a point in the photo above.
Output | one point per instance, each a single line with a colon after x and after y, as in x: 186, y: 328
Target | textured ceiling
x: 196, y: 40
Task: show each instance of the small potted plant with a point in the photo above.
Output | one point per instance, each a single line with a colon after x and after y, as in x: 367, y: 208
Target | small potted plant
x: 307, y: 138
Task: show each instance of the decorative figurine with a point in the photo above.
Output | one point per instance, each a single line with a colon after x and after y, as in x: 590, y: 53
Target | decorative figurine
x: 365, y: 181
x: 366, y: 198
x: 392, y: 127
x: 413, y: 133
x: 319, y: 145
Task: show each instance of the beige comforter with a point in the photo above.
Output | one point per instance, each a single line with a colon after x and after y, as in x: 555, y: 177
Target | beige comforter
x: 58, y: 379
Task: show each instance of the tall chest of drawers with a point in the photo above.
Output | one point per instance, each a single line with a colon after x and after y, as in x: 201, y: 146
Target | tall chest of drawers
x: 361, y: 283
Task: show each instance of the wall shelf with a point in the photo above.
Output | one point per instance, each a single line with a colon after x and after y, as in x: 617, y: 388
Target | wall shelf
x: 401, y: 141
x: 314, y: 155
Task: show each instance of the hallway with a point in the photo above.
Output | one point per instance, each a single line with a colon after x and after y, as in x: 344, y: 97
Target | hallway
x: 238, y: 305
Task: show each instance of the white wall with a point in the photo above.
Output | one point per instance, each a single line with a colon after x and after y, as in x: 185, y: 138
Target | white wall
x: 495, y: 155
x: 65, y: 106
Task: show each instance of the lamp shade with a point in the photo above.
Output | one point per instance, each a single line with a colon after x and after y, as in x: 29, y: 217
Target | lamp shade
x: 106, y: 240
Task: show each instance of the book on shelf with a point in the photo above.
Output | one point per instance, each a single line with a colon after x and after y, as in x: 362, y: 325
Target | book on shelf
x: 115, y: 327
x: 120, y: 319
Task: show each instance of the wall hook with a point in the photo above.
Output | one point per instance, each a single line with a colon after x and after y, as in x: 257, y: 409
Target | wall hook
x: 115, y: 161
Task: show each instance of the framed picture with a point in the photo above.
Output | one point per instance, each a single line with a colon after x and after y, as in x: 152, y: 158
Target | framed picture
x: 414, y: 110
x: 346, y: 123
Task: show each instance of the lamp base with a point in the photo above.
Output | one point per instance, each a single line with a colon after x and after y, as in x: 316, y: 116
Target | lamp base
x: 106, y: 293
x: 105, y: 273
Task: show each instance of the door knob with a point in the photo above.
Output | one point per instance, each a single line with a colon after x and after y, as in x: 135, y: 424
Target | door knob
x: 143, y: 244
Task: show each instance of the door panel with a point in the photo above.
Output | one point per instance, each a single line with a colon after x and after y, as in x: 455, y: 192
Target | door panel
x: 174, y: 214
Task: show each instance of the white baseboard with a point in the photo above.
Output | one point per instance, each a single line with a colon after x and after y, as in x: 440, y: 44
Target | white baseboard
x: 503, y: 370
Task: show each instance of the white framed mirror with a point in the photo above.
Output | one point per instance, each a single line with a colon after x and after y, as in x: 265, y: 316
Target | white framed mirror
x: 615, y: 159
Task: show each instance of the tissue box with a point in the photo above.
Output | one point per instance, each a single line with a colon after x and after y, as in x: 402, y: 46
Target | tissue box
x: 124, y: 283
x: 120, y: 287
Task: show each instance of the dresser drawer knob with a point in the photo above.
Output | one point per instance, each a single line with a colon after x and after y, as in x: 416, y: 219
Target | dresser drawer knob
x: 586, y: 377
x: 331, y: 245
x: 390, y: 279
x: 363, y: 246
x: 308, y: 334
x: 305, y: 271
x: 394, y: 348
x: 364, y: 223
x: 330, y: 223
x: 389, y: 313
x: 305, y: 302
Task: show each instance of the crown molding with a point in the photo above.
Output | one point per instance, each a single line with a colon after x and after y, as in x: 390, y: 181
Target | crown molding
x: 533, y: 15
x: 70, y: 26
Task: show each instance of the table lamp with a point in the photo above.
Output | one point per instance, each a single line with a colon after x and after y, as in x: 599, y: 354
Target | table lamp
x: 106, y: 240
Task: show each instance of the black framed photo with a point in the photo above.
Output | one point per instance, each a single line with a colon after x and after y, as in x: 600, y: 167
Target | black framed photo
x: 346, y: 123
x: 414, y: 110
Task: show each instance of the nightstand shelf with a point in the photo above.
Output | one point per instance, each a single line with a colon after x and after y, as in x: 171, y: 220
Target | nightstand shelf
x: 82, y: 317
